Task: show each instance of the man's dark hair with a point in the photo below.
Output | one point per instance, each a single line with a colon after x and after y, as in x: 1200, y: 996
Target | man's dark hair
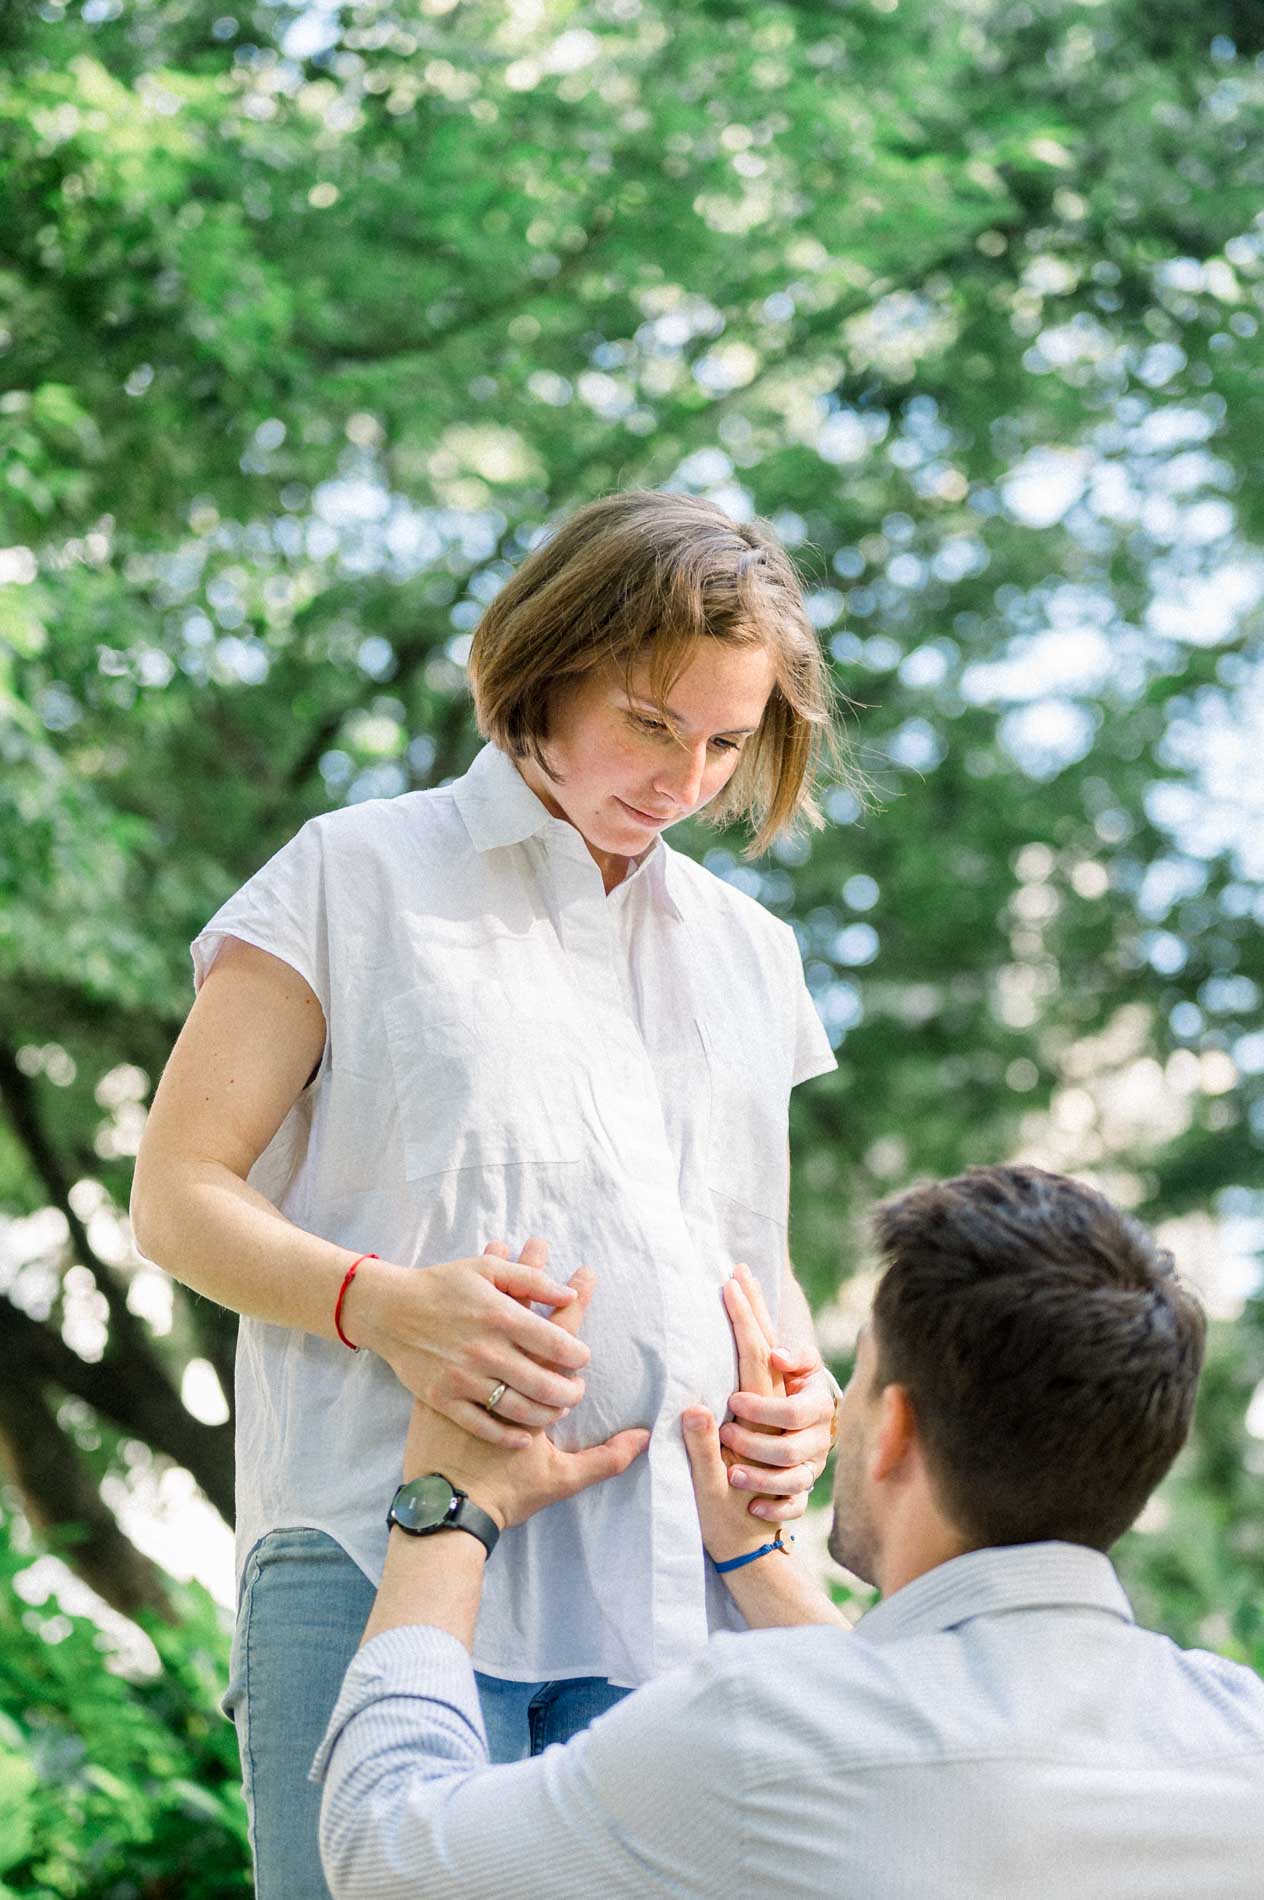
x: 1049, y: 1350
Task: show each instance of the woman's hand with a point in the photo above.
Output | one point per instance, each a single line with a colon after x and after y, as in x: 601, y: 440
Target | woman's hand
x: 452, y: 1333
x: 514, y: 1485
x: 727, y: 1529
x: 777, y: 1449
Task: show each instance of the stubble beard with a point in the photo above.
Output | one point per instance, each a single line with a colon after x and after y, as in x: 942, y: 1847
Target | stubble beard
x: 852, y: 1541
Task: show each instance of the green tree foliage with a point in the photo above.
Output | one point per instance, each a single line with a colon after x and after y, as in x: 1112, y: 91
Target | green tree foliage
x: 113, y: 1787
x: 315, y: 318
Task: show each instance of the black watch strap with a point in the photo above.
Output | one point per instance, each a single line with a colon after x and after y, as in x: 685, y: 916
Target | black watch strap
x: 414, y: 1509
x: 479, y: 1523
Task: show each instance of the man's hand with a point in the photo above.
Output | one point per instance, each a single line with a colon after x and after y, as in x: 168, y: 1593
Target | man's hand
x: 513, y: 1484
x: 776, y: 1592
x: 781, y: 1440
x: 727, y: 1528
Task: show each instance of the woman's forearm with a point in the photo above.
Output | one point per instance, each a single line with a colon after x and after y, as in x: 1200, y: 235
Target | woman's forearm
x: 450, y: 1334
x: 219, y: 1236
x: 797, y: 1330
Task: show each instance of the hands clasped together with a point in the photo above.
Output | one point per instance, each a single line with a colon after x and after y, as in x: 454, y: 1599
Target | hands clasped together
x: 485, y: 1344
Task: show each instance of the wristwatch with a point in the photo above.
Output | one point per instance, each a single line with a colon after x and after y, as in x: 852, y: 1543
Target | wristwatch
x: 432, y: 1503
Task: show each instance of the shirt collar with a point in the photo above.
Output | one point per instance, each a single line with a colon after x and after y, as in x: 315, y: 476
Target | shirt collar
x: 497, y: 804
x: 500, y: 808
x: 983, y: 1582
x: 660, y: 867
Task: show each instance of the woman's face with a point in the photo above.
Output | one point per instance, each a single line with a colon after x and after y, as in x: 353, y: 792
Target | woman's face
x: 625, y: 773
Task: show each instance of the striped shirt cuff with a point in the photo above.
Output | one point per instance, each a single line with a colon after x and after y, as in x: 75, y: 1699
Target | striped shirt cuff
x: 419, y: 1663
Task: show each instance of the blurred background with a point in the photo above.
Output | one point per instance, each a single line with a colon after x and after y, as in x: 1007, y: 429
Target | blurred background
x: 313, y: 319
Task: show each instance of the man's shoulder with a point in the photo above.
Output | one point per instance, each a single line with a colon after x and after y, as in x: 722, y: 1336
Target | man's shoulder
x: 1068, y: 1687
x: 795, y: 1681
x: 1231, y: 1693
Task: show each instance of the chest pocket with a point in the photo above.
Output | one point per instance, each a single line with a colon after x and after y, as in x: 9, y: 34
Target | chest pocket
x: 487, y: 1056
x: 749, y: 1116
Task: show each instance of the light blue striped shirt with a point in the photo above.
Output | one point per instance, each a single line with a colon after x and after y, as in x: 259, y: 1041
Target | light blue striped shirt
x: 999, y: 1729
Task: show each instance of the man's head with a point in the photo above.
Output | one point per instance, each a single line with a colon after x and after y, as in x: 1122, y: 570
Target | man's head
x: 1028, y: 1373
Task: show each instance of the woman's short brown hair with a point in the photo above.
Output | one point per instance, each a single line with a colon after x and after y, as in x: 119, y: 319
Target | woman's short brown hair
x: 639, y: 577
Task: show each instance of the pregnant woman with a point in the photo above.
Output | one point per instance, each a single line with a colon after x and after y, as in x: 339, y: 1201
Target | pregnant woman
x: 503, y: 1009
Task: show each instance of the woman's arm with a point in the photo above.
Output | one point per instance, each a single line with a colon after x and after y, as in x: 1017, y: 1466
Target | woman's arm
x: 252, y: 1039
x: 797, y: 1328
x: 251, y: 1042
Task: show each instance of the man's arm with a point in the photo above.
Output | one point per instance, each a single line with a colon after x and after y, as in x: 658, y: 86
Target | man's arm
x: 438, y: 1580
x: 783, y: 1439
x: 773, y: 1591
x: 410, y: 1806
x: 649, y: 1800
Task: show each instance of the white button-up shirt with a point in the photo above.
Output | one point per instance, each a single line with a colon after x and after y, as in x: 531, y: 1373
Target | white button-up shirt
x: 999, y: 1729
x: 510, y: 1052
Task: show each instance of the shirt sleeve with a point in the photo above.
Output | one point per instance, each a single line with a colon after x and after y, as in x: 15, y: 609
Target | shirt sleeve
x: 282, y: 909
x: 647, y: 1801
x: 812, y: 1052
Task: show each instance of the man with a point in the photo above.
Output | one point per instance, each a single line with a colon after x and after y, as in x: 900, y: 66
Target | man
x: 996, y: 1729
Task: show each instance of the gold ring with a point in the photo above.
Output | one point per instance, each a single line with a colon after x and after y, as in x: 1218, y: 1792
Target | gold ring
x: 497, y: 1394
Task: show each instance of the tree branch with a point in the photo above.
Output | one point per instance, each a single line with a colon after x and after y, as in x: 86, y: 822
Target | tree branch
x: 57, y: 1491
x: 49, y: 1360
x: 130, y: 1360
x: 18, y: 1096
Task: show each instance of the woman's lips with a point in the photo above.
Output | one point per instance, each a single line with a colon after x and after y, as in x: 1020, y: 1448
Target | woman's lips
x: 645, y: 817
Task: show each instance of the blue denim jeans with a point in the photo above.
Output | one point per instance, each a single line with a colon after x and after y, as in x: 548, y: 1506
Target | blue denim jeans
x: 303, y: 1608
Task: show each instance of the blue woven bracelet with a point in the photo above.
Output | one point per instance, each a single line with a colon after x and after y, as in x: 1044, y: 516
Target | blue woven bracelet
x: 735, y: 1563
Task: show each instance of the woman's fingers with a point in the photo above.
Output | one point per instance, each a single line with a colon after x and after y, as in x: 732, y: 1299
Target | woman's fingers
x: 753, y: 1370
x: 769, y: 1482
x: 519, y: 1410
x: 543, y: 1381
x: 544, y: 1353
x: 782, y: 1414
x: 807, y: 1447
x: 571, y: 1318
x: 544, y: 1339
x: 525, y: 1279
x: 480, y: 1423
x: 797, y: 1365
x: 524, y: 1282
x: 758, y: 1305
x: 778, y: 1510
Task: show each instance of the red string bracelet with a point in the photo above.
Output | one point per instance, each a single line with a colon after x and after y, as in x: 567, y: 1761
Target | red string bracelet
x: 347, y: 1278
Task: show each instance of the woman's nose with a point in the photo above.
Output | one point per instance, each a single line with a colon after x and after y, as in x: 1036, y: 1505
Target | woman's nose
x: 680, y: 778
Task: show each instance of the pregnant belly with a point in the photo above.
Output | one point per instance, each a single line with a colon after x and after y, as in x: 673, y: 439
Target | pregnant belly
x: 646, y: 1367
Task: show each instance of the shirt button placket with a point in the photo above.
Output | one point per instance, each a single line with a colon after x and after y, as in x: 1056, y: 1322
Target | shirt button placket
x: 632, y: 1113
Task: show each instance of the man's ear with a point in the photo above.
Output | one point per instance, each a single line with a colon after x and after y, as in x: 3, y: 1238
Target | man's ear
x: 896, y: 1436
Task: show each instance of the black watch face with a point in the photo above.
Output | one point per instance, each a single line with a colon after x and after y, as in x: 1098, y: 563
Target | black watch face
x: 424, y: 1503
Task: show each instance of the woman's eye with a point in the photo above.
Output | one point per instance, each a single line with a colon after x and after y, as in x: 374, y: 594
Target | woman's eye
x: 648, y: 725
